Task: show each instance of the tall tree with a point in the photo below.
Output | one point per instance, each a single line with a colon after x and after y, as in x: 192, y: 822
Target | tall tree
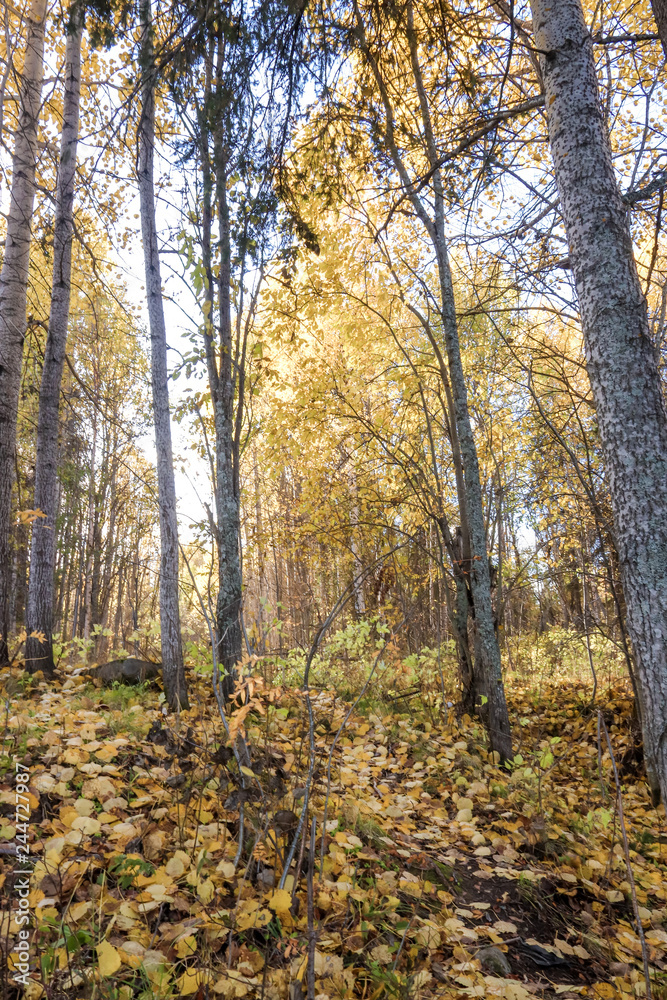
x: 170, y: 625
x: 14, y: 287
x: 621, y: 358
x: 41, y: 596
x: 392, y: 43
x: 234, y: 88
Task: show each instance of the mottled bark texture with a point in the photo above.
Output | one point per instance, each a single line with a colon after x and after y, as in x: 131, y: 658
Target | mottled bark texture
x: 659, y: 8
x: 14, y: 288
x: 170, y: 625
x: 227, y: 486
x: 488, y: 677
x: 226, y: 373
x: 486, y: 680
x: 620, y: 357
x: 41, y: 596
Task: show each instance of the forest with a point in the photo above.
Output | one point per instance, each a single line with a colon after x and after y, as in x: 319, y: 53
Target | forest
x: 333, y: 499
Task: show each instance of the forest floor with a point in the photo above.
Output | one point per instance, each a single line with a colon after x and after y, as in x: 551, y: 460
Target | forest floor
x: 443, y: 874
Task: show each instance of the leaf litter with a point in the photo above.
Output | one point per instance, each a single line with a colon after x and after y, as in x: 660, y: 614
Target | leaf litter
x: 159, y: 850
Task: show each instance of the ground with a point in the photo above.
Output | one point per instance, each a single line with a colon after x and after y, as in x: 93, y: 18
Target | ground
x: 439, y: 874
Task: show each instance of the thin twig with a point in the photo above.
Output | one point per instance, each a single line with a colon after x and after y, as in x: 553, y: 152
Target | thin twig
x: 336, y: 737
x: 328, y: 621
x: 239, y: 849
x: 299, y: 865
x: 626, y: 851
x: 400, y: 947
x: 312, y: 937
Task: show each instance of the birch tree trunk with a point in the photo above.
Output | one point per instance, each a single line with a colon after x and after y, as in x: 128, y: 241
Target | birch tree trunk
x: 487, y: 676
x: 170, y: 623
x: 90, y: 538
x: 41, y: 597
x: 621, y: 360
x: 228, y: 495
x: 14, y: 288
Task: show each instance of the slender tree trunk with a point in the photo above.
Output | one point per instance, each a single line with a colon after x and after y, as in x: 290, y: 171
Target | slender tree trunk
x: 63, y: 573
x: 170, y: 622
x: 90, y: 540
x: 357, y: 561
x: 660, y: 15
x: 261, y: 558
x: 110, y: 555
x: 221, y: 375
x: 621, y: 360
x: 228, y: 608
x: 461, y: 618
x: 76, y: 613
x: 71, y: 544
x: 432, y: 216
x: 118, y: 618
x: 487, y: 651
x: 14, y: 288
x: 41, y: 597
x: 488, y: 667
x: 97, y: 555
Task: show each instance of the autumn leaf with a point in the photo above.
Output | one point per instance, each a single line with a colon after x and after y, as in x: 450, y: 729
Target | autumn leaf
x: 280, y: 901
x: 108, y: 959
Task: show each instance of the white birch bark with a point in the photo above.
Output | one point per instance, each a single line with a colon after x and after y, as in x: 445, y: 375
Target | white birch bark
x: 41, y: 597
x: 14, y: 287
x: 620, y: 357
x: 170, y: 624
x: 90, y: 539
x: 488, y: 677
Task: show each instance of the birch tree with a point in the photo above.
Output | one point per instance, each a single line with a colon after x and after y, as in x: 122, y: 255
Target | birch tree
x: 228, y: 87
x: 14, y: 287
x: 41, y: 596
x: 368, y: 27
x: 170, y: 626
x: 621, y: 358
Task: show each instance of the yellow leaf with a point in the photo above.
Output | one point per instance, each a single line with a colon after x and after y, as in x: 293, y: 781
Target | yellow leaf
x: 79, y: 910
x: 177, y: 865
x: 504, y: 927
x: 186, y: 947
x: 428, y: 937
x: 190, y: 981
x: 227, y: 870
x: 614, y: 895
x: 206, y: 891
x: 257, y: 919
x: 247, y: 771
x: 27, y: 517
x: 108, y: 959
x: 604, y: 990
x: 280, y: 901
x: 87, y: 825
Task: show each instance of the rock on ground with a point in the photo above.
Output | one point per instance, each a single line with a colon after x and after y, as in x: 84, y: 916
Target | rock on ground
x: 128, y: 671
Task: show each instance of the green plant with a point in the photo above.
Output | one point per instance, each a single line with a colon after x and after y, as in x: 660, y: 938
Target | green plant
x: 126, y: 868
x: 72, y: 941
x: 370, y: 831
x: 122, y: 696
